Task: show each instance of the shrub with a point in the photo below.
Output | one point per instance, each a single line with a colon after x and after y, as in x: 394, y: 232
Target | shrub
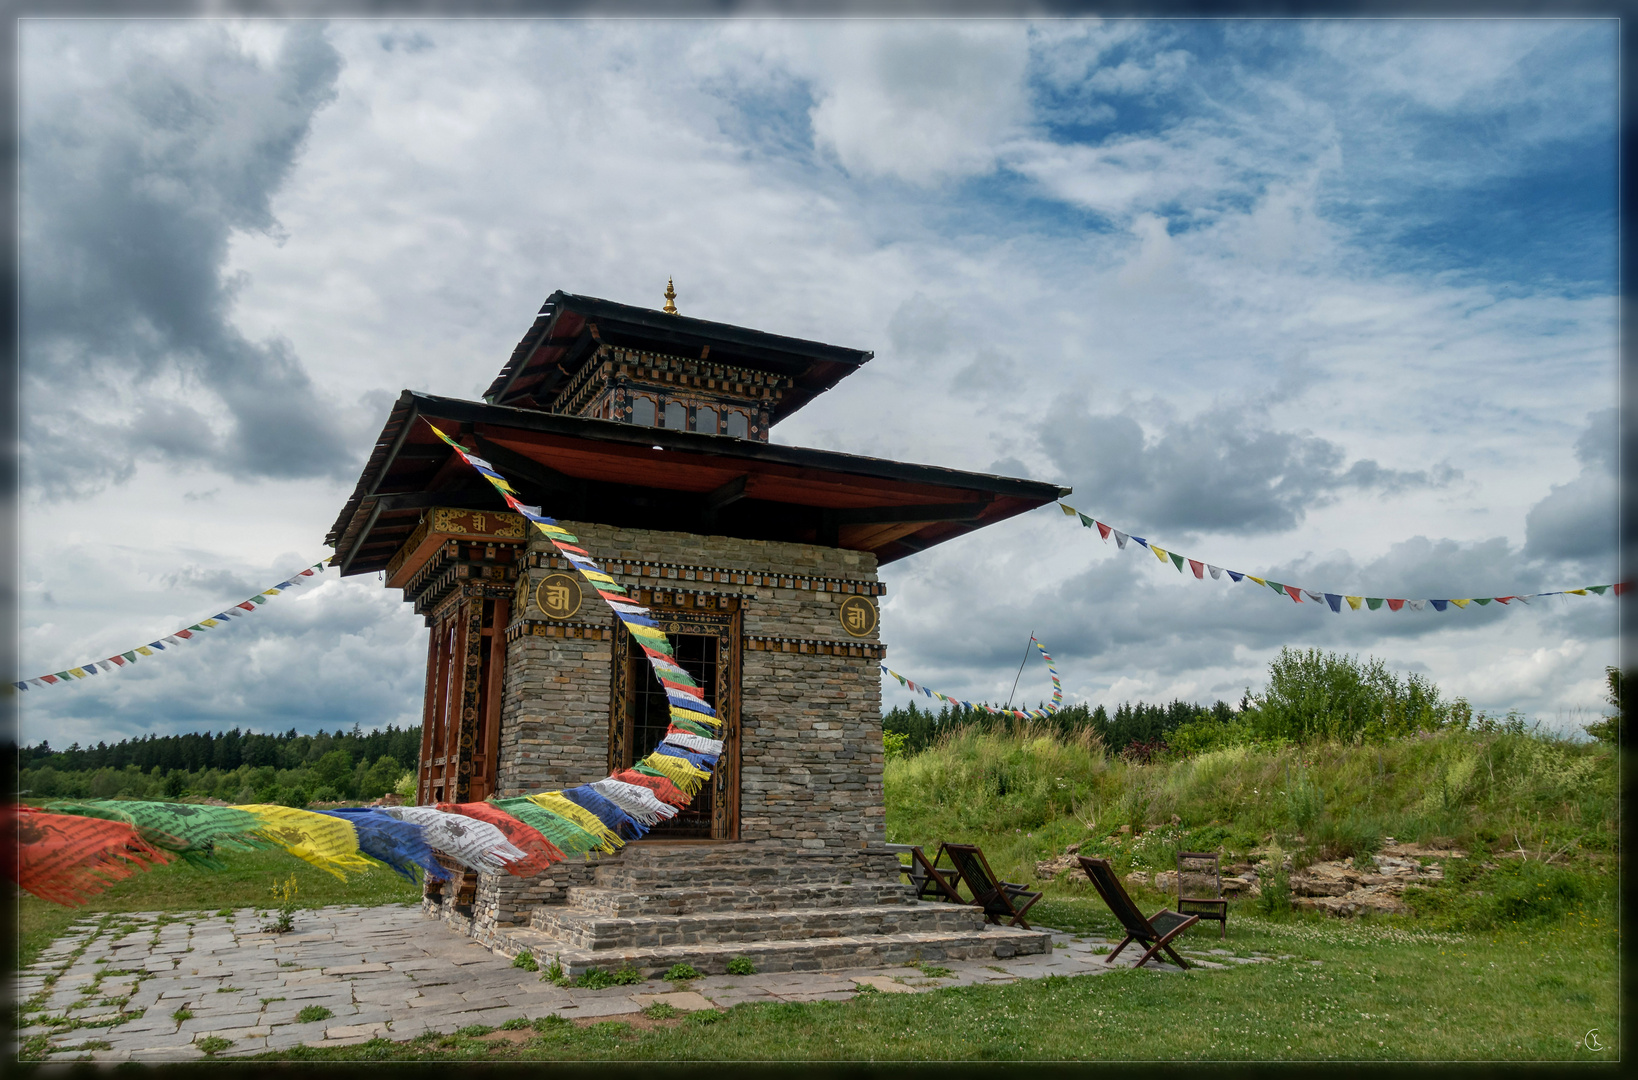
x: 594, y: 978
x: 1518, y: 891
x: 554, y: 970
x: 893, y: 744
x: 661, y: 1011
x: 405, y: 786
x: 1275, y: 884
x: 681, y: 973
x: 284, y: 894
x: 526, y: 961
x: 1355, y: 837
x: 741, y: 965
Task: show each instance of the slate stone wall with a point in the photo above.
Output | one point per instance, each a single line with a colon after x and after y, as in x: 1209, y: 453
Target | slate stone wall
x: 810, y: 715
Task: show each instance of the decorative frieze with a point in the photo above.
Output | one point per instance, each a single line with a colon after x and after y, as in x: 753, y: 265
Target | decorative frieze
x: 759, y: 579
x: 873, y: 650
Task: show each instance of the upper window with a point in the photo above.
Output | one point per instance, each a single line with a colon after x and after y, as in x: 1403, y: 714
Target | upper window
x: 676, y: 415
x: 642, y: 412
x: 705, y: 419
x: 738, y: 426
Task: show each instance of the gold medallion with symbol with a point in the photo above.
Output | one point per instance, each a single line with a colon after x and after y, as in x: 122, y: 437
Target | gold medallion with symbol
x: 858, y: 616
x: 558, y: 596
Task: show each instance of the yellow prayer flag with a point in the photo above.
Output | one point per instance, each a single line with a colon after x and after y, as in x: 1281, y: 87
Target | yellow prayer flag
x: 701, y: 718
x: 579, y: 815
x: 1354, y: 601
x: 1068, y: 510
x: 329, y: 843
x: 1462, y: 603
x: 270, y: 592
x: 1258, y: 580
x: 78, y: 673
x: 144, y: 650
x: 1577, y: 592
x: 595, y: 575
x: 688, y: 779
x: 1160, y: 553
x: 208, y: 622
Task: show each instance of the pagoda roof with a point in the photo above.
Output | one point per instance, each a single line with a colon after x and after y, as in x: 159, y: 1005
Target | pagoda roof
x: 569, y: 328
x: 614, y: 473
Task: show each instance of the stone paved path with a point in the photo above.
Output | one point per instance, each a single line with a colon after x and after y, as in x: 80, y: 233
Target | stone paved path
x: 153, y: 987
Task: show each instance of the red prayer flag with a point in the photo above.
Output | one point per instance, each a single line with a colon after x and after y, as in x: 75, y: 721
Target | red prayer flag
x: 118, y: 660
x: 183, y: 634
x: 541, y: 852
x: 1620, y: 587
x: 1103, y: 529
x: 1198, y: 568
x: 66, y: 858
x: 663, y: 789
x: 1503, y: 599
x: 1296, y: 593
x: 1395, y: 605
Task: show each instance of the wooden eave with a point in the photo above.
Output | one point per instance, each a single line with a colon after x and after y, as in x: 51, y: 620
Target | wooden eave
x: 584, y: 469
x: 568, y: 329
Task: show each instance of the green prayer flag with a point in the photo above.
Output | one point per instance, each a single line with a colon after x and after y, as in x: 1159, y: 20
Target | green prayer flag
x: 130, y: 656
x: 1599, y: 589
x: 568, y: 837
x: 1086, y: 521
x: 1373, y: 602
x: 1482, y: 601
x: 1276, y: 586
x: 1178, y: 559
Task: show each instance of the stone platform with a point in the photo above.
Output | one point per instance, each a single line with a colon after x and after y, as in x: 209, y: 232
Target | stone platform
x: 784, y: 910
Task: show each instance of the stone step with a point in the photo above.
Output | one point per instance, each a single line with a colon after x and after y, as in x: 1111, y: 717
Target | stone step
x: 820, y: 954
x: 657, y: 866
x: 696, y: 898
x: 596, y: 933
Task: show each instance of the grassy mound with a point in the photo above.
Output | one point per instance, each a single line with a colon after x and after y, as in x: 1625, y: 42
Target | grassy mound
x: 1026, y: 793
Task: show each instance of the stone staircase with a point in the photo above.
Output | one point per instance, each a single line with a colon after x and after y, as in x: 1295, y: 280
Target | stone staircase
x: 659, y: 905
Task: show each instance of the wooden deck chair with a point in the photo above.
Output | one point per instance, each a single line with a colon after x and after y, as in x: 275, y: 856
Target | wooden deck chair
x: 931, y: 881
x: 998, y: 898
x: 1160, y: 928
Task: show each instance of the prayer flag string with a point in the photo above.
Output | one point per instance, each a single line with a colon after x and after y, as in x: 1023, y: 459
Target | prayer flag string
x: 979, y: 706
x: 1334, y: 601
x: 130, y: 656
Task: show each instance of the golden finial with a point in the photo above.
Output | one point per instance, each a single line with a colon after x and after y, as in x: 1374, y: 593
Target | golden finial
x: 670, y: 298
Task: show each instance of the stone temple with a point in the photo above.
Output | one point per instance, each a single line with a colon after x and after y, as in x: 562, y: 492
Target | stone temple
x: 645, y: 433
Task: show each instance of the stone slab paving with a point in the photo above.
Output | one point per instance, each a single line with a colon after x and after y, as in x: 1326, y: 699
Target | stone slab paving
x: 156, y: 987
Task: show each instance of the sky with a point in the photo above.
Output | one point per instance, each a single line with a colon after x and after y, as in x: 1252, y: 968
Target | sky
x: 1331, y: 303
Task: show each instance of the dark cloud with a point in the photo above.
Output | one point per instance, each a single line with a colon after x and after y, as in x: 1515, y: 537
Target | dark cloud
x: 1225, y: 469
x: 1577, y: 520
x: 140, y: 162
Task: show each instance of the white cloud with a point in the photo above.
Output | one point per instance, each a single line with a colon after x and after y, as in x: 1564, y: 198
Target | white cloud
x: 922, y: 102
x: 1199, y: 266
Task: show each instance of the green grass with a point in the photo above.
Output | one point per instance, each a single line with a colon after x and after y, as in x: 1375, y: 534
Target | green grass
x: 313, y: 1013
x: 1024, y: 796
x: 1378, y: 993
x: 180, y: 887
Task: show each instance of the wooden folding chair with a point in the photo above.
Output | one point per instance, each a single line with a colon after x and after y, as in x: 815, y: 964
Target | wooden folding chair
x: 1160, y: 928
x: 998, y: 898
x: 1205, y: 880
x: 931, y: 881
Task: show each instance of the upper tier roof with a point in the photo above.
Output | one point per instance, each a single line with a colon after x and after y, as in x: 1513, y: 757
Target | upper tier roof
x: 569, y: 328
